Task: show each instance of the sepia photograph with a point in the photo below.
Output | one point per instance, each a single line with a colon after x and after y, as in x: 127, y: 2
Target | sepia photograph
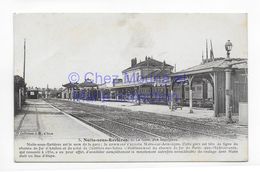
x: 130, y: 87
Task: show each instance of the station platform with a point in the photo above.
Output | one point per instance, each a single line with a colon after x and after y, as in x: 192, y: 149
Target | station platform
x: 39, y: 120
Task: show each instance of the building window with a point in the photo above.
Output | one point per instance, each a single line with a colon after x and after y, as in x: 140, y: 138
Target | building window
x: 198, y: 88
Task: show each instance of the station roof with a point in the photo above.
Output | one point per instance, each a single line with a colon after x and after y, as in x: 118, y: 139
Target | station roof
x: 217, y: 64
x: 87, y: 84
x: 159, y: 73
x: 19, y: 81
x: 148, y: 62
x: 70, y: 85
x: 131, y: 85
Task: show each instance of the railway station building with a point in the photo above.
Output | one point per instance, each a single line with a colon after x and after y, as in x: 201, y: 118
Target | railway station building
x: 19, y: 93
x: 154, y: 82
x: 86, y: 90
x: 145, y: 82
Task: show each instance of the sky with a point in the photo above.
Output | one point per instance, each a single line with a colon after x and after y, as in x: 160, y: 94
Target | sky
x: 105, y: 43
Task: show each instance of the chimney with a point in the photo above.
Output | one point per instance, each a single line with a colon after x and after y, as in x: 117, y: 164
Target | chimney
x: 133, y: 62
x: 211, y: 52
x: 164, y: 64
x: 202, y: 57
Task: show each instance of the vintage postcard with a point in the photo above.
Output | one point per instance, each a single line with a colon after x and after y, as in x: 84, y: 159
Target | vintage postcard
x: 129, y: 87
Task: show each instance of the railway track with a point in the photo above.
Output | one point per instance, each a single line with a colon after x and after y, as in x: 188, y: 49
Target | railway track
x: 131, y: 126
x: 106, y: 120
x: 112, y: 128
x: 211, y: 130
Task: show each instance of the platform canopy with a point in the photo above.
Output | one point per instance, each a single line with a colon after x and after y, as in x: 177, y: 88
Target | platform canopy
x: 219, y: 64
x: 214, y: 73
